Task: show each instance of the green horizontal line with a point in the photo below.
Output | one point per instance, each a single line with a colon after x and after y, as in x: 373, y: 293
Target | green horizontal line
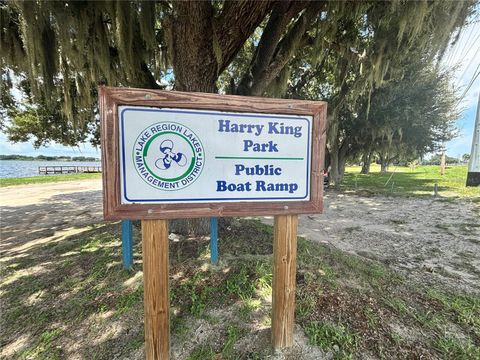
x: 256, y: 158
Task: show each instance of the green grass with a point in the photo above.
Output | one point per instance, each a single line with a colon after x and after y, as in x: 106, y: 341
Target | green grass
x: 44, y: 347
x: 202, y: 353
x: 464, y: 308
x: 233, y: 333
x: 330, y: 335
x: 240, y: 285
x: 47, y: 179
x: 453, y: 348
x: 371, y: 316
x: 411, y: 181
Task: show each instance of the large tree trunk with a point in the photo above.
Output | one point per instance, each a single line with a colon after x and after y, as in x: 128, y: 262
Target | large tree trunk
x: 384, y: 162
x: 334, y: 155
x: 337, y: 163
x: 194, y: 62
x: 202, y: 47
x: 334, y: 151
x: 342, y: 160
x: 365, y: 168
x: 195, y: 69
x: 367, y: 160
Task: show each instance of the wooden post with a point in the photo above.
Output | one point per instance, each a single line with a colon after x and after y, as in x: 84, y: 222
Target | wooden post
x: 442, y: 163
x: 156, y: 289
x: 284, y: 273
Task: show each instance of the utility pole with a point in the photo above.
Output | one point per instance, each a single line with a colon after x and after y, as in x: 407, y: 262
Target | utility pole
x: 473, y: 177
x: 442, y: 161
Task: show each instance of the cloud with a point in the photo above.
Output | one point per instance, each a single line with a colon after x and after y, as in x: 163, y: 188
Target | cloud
x: 26, y: 148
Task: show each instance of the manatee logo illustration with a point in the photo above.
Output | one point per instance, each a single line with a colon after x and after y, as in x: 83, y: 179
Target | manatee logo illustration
x: 166, y: 148
x: 168, y: 156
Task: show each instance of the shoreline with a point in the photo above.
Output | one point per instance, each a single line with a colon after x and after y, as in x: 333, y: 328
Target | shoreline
x: 47, y: 179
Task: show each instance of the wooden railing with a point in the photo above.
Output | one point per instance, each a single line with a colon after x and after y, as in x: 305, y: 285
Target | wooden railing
x: 45, y: 170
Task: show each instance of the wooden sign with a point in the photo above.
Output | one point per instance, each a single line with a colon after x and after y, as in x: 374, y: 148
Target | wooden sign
x: 182, y: 155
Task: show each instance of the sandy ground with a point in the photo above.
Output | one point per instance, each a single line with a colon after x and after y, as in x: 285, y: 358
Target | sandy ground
x: 36, y: 211
x: 429, y: 239
x: 20, y: 195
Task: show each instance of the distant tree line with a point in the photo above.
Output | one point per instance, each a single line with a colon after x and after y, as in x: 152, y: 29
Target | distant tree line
x: 436, y: 159
x: 48, y: 158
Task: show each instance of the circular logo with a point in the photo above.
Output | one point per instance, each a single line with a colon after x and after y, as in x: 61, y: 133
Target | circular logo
x: 168, y: 156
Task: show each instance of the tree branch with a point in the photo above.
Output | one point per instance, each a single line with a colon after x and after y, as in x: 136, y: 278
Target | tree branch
x: 236, y: 23
x: 306, y: 77
x: 148, y: 78
x: 295, y: 38
x: 282, y: 14
x: 263, y: 71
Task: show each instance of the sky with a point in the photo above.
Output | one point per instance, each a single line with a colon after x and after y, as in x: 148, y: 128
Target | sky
x: 7, y: 148
x: 465, y: 54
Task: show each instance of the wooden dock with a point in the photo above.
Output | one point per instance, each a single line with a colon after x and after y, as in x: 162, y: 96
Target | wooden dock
x: 46, y: 170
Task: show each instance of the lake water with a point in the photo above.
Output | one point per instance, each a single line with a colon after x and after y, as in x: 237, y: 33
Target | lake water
x: 25, y: 168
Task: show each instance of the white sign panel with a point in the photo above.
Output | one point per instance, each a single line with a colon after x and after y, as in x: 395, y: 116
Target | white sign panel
x: 173, y: 156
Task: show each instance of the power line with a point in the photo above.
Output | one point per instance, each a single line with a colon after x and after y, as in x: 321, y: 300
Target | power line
x: 470, y: 63
x: 464, y: 53
x: 475, y: 75
x: 454, y: 50
x: 466, y: 42
x: 471, y: 26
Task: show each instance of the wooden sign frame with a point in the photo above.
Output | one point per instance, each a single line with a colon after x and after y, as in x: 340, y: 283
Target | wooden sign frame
x: 111, y: 98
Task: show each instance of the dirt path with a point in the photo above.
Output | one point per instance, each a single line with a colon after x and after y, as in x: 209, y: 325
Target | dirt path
x: 432, y: 240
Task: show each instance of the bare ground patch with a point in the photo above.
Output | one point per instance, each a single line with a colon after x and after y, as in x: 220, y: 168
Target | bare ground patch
x: 430, y: 240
